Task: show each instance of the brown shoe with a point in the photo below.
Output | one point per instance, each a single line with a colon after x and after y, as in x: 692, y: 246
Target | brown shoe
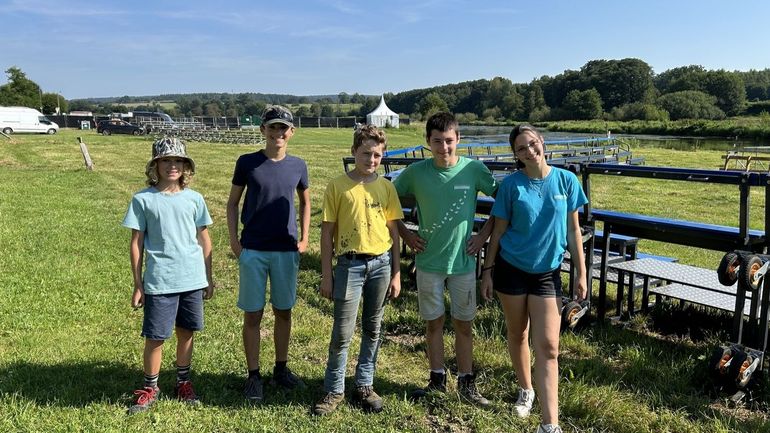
x: 466, y: 386
x: 368, y: 399
x: 328, y: 403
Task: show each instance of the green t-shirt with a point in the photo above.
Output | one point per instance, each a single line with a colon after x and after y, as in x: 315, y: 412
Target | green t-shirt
x: 446, y: 206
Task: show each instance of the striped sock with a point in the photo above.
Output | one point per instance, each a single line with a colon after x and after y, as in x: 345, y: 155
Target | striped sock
x: 151, y: 380
x: 182, y: 373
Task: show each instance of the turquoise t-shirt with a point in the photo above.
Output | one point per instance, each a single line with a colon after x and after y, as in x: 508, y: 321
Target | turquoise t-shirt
x: 173, y: 258
x: 536, y: 211
x: 446, y: 207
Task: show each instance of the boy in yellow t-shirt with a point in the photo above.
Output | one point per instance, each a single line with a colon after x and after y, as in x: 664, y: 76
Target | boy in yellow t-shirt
x: 360, y: 213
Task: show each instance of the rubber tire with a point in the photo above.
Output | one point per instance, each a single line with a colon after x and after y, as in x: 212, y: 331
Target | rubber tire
x: 51, y: 131
x: 748, y: 268
x: 732, y: 379
x: 106, y: 132
x: 7, y: 131
x: 717, y: 355
x: 727, y: 272
x: 137, y: 132
x: 742, y: 384
x: 567, y: 312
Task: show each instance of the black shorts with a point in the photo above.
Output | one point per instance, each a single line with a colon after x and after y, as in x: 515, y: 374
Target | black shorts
x: 511, y: 280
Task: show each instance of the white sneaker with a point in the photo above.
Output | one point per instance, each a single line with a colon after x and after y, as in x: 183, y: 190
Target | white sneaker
x: 549, y: 428
x: 524, y: 403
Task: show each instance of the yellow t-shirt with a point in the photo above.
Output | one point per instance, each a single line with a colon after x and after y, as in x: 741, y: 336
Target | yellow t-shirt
x: 361, y: 212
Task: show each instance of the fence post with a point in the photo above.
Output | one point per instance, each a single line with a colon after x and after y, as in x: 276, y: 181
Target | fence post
x: 86, y: 156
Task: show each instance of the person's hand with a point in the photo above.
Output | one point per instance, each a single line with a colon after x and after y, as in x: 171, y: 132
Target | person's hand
x: 302, y: 246
x: 327, y: 283
x: 474, y: 245
x: 395, y: 286
x: 137, y: 298
x: 580, y: 290
x: 236, y: 247
x: 209, y: 291
x: 416, y: 243
x: 486, y: 285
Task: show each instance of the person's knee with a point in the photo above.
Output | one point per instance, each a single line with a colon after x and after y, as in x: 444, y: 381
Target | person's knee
x: 547, y: 350
x: 282, y: 315
x: 435, y: 325
x: 463, y: 328
x: 252, y: 320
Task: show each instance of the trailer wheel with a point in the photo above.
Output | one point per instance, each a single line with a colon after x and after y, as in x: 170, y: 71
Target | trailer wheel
x: 738, y: 365
x: 748, y: 270
x: 7, y: 131
x: 727, y: 272
x: 719, y: 357
x: 569, y: 313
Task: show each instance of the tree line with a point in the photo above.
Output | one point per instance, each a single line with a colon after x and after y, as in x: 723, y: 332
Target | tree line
x: 623, y: 89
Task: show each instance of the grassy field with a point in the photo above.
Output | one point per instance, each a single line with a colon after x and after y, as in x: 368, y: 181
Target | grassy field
x: 70, y: 350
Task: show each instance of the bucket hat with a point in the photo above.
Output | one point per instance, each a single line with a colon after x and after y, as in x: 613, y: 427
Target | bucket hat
x: 169, y: 147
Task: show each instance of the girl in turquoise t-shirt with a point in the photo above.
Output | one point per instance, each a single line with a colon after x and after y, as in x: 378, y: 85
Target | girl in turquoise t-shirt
x: 536, y: 219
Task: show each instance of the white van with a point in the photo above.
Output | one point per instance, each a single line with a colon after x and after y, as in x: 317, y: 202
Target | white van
x: 23, y: 119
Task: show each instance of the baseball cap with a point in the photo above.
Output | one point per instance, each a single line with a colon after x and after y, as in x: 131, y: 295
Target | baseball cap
x: 277, y: 114
x: 169, y: 147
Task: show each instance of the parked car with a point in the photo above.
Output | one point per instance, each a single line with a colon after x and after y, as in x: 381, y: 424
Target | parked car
x: 117, y: 126
x: 22, y: 119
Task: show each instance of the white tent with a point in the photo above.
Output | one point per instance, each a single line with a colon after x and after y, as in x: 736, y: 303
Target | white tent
x: 382, y: 116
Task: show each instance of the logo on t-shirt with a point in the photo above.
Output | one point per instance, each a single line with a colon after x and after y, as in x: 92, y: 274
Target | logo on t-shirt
x: 559, y: 197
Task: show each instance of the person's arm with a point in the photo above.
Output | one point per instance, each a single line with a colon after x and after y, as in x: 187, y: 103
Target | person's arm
x: 500, y: 225
x: 415, y: 242
x: 304, y: 218
x: 327, y: 252
x: 577, y: 258
x: 476, y: 242
x: 136, y: 255
x: 395, y: 260
x: 236, y: 191
x: 204, y: 240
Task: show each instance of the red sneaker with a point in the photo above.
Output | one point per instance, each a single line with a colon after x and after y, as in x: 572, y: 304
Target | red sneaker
x: 185, y: 393
x: 145, y: 398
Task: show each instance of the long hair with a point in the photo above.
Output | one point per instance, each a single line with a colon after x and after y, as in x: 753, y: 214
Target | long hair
x: 153, y: 178
x: 518, y: 130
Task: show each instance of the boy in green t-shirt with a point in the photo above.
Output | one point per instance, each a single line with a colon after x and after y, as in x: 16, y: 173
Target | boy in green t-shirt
x: 360, y: 211
x: 445, y: 189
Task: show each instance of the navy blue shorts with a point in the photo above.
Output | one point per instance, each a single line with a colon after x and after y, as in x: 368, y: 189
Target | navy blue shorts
x: 510, y: 280
x: 162, y: 312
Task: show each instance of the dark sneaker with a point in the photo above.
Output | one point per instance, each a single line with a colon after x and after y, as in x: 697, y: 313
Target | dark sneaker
x: 466, y: 386
x: 253, y: 389
x: 145, y: 398
x: 185, y: 393
x: 367, y: 399
x: 437, y: 383
x: 328, y: 404
x: 286, y: 379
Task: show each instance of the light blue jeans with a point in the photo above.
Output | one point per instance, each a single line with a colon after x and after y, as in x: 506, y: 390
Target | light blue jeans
x: 354, y: 279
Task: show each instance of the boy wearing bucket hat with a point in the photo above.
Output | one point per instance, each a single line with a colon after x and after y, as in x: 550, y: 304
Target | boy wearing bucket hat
x: 269, y: 244
x: 169, y: 235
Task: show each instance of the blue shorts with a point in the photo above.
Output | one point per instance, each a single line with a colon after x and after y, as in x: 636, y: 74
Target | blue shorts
x: 162, y: 312
x: 255, y: 268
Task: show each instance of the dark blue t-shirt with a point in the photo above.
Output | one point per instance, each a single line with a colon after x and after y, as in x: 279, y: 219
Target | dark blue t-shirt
x: 269, y: 216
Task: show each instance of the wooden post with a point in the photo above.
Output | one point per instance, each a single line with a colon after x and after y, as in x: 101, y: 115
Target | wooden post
x: 86, y: 156
x: 5, y: 135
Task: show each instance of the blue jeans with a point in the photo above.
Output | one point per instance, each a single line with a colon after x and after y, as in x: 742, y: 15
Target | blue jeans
x: 354, y: 279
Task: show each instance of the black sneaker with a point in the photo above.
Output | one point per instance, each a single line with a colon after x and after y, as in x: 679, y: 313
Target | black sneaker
x: 145, y: 398
x: 466, y: 386
x: 253, y: 389
x: 437, y: 383
x: 367, y: 399
x: 286, y: 379
x: 328, y: 403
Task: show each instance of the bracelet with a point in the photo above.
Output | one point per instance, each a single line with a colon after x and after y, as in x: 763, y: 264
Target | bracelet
x: 487, y: 268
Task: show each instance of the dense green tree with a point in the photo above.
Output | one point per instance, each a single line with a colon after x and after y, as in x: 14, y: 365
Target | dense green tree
x: 639, y: 110
x: 690, y: 104
x: 619, y: 81
x: 432, y: 103
x: 583, y: 104
x: 20, y: 90
x: 682, y: 78
x: 728, y: 89
x: 54, y: 103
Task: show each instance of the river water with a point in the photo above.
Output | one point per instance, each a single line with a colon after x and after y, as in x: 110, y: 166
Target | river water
x: 500, y: 133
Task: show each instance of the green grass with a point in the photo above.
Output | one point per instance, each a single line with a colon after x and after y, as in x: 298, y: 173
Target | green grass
x: 70, y: 350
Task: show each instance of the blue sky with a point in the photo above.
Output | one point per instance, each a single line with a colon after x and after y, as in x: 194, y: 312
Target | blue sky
x: 309, y: 47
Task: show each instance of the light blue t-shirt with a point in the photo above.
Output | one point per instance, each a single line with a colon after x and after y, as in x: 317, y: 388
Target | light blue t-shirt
x: 536, y: 211
x: 173, y: 258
